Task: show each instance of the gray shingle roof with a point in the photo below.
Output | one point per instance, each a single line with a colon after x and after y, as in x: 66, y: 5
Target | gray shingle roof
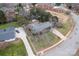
x: 37, y: 27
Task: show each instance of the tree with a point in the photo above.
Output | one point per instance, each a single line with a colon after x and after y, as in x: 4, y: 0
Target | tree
x: 67, y: 12
x: 33, y: 4
x: 58, y: 4
x: 40, y: 14
x: 2, y: 17
x: 20, y: 5
x: 19, y: 8
x: 59, y: 25
x: 22, y: 20
x: 55, y: 20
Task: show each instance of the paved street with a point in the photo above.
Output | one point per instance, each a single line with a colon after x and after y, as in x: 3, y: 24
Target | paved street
x: 66, y: 48
x: 69, y: 46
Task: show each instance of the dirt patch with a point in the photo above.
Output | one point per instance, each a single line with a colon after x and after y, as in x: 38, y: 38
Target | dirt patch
x: 3, y: 45
x: 62, y: 16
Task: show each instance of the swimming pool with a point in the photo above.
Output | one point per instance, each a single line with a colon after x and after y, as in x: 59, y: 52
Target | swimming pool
x: 7, y: 34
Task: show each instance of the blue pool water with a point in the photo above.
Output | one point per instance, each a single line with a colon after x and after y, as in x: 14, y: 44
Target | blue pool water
x: 7, y: 34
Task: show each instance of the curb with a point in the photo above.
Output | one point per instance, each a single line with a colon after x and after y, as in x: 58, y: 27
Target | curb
x: 45, y: 50
x: 67, y: 35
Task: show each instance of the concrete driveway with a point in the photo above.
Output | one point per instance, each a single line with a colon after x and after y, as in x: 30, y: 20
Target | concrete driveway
x: 69, y: 46
x: 23, y: 35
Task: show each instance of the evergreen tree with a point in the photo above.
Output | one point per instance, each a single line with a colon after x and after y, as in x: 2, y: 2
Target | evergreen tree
x: 2, y: 17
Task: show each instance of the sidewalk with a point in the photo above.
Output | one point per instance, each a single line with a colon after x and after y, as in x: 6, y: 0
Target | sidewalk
x: 22, y: 35
x: 56, y: 32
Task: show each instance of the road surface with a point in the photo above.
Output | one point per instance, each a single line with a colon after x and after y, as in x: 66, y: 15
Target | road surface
x: 70, y: 45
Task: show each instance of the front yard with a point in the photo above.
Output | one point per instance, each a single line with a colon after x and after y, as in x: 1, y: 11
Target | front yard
x: 66, y: 27
x: 40, y: 42
x: 14, y: 48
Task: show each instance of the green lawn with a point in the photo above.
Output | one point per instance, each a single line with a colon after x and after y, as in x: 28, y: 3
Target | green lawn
x: 43, y: 41
x: 66, y: 27
x: 15, y: 48
x: 4, y: 26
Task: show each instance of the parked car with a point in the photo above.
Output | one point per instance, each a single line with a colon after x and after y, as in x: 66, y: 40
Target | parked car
x: 17, y: 31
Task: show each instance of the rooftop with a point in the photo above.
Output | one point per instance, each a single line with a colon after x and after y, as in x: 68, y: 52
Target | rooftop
x: 7, y: 34
x: 37, y: 27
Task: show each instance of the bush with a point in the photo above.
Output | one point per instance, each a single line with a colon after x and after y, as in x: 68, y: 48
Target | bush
x: 67, y: 12
x: 2, y: 17
x: 59, y: 25
x: 39, y: 14
x: 22, y: 20
x: 58, y: 4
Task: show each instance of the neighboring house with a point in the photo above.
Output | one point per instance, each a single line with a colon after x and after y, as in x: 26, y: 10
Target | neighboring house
x: 8, y: 5
x: 73, y: 6
x: 9, y: 13
x: 7, y: 34
x: 37, y: 28
x: 50, y: 7
x: 26, y: 9
x: 9, y: 10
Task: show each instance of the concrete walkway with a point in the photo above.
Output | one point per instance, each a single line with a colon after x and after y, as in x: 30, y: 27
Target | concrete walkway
x: 57, y: 33
x: 70, y: 45
x: 22, y: 35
